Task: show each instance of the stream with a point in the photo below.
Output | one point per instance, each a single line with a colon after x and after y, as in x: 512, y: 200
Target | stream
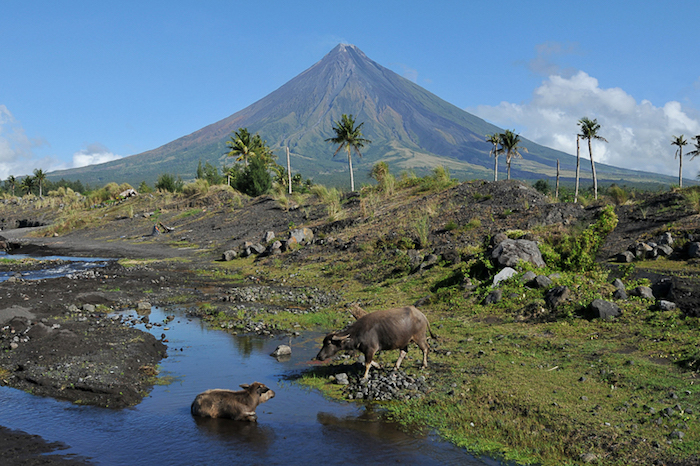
x: 298, y: 426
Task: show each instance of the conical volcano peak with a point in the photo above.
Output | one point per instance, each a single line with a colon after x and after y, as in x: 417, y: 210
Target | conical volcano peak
x: 345, y: 52
x: 408, y: 126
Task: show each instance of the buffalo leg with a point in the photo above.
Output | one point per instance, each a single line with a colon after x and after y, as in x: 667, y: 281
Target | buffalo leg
x: 423, y: 345
x: 402, y: 355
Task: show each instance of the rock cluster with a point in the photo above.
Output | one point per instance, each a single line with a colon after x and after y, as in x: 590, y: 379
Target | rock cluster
x: 269, y: 246
x: 385, y: 386
x: 662, y: 247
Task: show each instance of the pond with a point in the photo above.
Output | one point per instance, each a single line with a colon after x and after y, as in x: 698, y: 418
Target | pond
x: 298, y: 426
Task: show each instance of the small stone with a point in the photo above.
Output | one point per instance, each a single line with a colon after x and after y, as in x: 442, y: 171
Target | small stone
x: 677, y: 434
x: 342, y: 379
x: 664, y: 305
x: 281, y: 350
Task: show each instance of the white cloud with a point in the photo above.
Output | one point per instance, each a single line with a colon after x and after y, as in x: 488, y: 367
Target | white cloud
x: 18, y: 157
x: 638, y: 133
x: 15, y: 146
x: 93, y: 154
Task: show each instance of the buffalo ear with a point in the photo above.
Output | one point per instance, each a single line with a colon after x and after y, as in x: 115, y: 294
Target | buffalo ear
x: 244, y: 385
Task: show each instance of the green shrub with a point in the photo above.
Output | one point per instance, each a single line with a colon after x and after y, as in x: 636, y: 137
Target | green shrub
x: 577, y: 252
x: 168, y: 182
x: 254, y: 180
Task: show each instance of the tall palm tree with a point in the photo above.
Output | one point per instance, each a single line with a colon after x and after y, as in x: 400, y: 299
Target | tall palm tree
x: 511, y: 146
x: 12, y: 183
x: 39, y: 177
x: 679, y: 141
x: 494, y: 139
x: 27, y: 184
x: 589, y: 131
x: 349, y: 136
x: 578, y: 165
x: 242, y: 145
x: 694, y: 153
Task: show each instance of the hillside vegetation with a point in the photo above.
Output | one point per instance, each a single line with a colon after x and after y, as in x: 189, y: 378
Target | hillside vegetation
x: 518, y: 376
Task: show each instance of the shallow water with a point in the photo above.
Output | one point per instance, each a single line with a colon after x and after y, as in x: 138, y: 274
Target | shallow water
x: 298, y: 426
x: 73, y: 265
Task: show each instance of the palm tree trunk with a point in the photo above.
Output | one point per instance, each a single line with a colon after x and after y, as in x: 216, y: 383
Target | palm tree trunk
x: 556, y: 191
x: 595, y: 178
x: 578, y: 165
x: 352, y: 177
x: 495, y: 168
x: 509, y: 158
x: 680, y: 166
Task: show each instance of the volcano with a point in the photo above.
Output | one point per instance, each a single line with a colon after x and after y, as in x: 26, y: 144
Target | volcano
x: 410, y: 129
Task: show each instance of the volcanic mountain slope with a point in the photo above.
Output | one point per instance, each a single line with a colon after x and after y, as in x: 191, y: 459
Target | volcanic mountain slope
x: 409, y: 127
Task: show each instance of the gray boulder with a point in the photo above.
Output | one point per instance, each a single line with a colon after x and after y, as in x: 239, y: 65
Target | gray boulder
x: 618, y: 284
x: 664, y: 250
x: 503, y: 275
x: 664, y: 305
x: 269, y: 236
x: 666, y: 239
x: 540, y: 282
x: 643, y: 292
x: 229, y: 255
x: 494, y: 297
x: 511, y: 251
x: 302, y: 235
x: 528, y: 276
x: 625, y: 257
x: 429, y: 261
x: 557, y: 296
x: 601, y: 309
x: 281, y: 350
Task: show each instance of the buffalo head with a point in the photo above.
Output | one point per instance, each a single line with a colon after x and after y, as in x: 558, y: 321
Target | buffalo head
x: 259, y: 389
x: 332, y: 344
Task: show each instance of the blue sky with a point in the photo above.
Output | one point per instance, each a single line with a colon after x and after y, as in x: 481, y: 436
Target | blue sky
x: 85, y: 81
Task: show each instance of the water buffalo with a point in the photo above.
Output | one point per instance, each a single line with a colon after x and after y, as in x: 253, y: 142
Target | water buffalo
x: 237, y: 405
x: 381, y: 330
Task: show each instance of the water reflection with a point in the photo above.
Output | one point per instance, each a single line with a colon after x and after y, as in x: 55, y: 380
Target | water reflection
x: 238, y: 434
x: 247, y: 344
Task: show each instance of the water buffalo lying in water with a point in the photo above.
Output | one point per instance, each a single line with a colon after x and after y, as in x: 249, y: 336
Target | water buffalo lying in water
x: 381, y: 330
x: 237, y: 405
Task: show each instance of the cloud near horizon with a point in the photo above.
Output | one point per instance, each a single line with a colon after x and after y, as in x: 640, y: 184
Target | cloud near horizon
x: 93, y: 154
x: 638, y: 134
x: 18, y: 157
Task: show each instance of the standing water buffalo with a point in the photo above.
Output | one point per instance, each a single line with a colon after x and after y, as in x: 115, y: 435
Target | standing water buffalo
x: 237, y: 405
x: 381, y: 330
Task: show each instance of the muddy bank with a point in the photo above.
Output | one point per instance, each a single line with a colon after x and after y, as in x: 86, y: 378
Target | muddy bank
x: 18, y: 447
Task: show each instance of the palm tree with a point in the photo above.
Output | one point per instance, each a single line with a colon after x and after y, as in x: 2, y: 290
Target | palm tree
x: 12, y: 182
x: 680, y: 142
x: 242, y: 145
x: 694, y: 153
x: 589, y: 131
x: 39, y: 177
x: 511, y: 146
x: 27, y: 184
x: 349, y: 136
x: 578, y: 165
x: 494, y: 139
